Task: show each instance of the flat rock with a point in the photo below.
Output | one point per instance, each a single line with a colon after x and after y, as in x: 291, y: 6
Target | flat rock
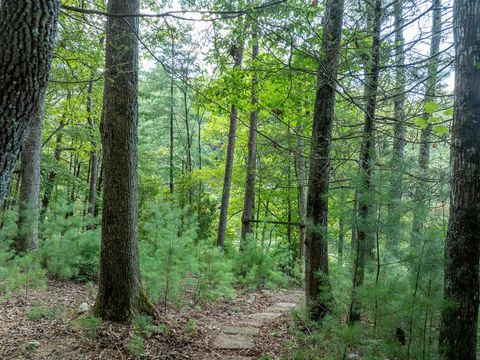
x: 281, y: 307
x: 265, y: 316
x: 233, y: 341
x: 228, y: 357
x: 250, y: 322
x: 241, y: 330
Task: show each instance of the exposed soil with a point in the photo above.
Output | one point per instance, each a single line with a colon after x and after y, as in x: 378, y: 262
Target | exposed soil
x: 45, y: 324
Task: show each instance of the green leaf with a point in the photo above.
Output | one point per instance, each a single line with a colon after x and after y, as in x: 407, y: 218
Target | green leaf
x: 430, y: 107
x: 440, y: 130
x: 421, y: 122
x: 449, y: 112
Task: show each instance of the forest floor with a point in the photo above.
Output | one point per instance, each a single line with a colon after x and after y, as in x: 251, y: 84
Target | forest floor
x: 46, y: 324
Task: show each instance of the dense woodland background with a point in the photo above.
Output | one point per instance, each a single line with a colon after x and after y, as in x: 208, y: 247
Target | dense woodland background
x: 185, y: 151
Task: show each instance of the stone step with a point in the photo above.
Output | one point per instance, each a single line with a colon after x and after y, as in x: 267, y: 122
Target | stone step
x: 265, y: 316
x: 233, y: 341
x: 227, y: 357
x: 281, y: 307
x: 241, y: 330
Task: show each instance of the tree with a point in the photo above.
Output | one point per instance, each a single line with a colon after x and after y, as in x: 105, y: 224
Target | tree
x: 93, y: 175
x: 27, y: 237
x: 27, y: 35
x: 396, y: 181
x: 249, y: 199
x: 120, y: 293
x: 431, y: 85
x: 317, y: 285
x: 237, y: 53
x: 302, y: 179
x: 364, y: 240
x: 458, y: 334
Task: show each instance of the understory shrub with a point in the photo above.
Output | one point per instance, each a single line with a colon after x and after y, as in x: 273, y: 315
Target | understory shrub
x: 214, y: 276
x: 175, y: 263
x: 68, y: 249
x: 256, y: 267
x: 17, y: 273
x: 166, y: 253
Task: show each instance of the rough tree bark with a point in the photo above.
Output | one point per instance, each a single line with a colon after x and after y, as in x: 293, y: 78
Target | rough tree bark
x: 421, y: 211
x: 27, y: 237
x: 365, y: 231
x: 396, y: 163
x: 237, y: 53
x: 120, y: 292
x: 27, y: 34
x: 458, y: 334
x: 249, y: 197
x: 317, y: 284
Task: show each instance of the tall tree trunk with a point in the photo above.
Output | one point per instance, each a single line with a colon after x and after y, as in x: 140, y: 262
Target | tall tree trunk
x: 50, y: 182
x: 421, y: 210
x: 27, y: 34
x: 301, y: 172
x: 249, y: 197
x: 341, y: 236
x: 199, y: 141
x: 172, y: 107
x: 291, y: 248
x: 396, y: 179
x: 93, y: 177
x: 187, y: 128
x: 227, y: 180
x: 365, y: 230
x: 458, y: 334
x: 317, y: 284
x: 120, y: 293
x: 27, y: 237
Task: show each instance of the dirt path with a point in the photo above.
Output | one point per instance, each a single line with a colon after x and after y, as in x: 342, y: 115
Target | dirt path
x: 252, y: 325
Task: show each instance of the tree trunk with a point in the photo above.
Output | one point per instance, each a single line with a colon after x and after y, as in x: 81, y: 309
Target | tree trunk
x: 27, y: 237
x: 27, y: 34
x: 249, y: 197
x: 396, y: 180
x: 341, y: 237
x: 421, y: 211
x: 291, y: 248
x: 301, y: 170
x: 227, y: 180
x: 172, y: 106
x: 458, y: 334
x: 188, y: 149
x: 365, y: 231
x: 120, y: 293
x: 93, y: 177
x: 50, y: 182
x: 317, y: 284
